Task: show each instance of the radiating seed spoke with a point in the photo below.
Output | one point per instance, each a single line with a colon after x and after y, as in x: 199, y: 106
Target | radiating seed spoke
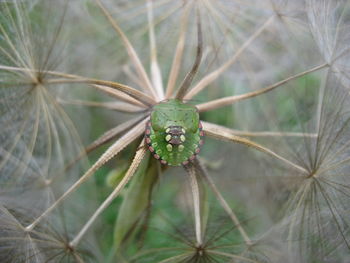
x: 215, y: 104
x: 113, y: 150
x: 207, y: 80
x: 223, y: 133
x: 131, y: 171
x: 131, y: 51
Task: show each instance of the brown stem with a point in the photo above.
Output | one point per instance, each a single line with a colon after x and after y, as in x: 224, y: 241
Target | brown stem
x: 131, y: 51
x: 223, y: 133
x: 129, y: 174
x: 110, y: 91
x: 208, y: 79
x: 189, y: 77
x: 215, y: 104
x: 224, y: 204
x: 138, y: 95
x: 108, y: 154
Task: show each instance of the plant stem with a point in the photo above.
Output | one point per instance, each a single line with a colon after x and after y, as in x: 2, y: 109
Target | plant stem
x: 131, y: 51
x: 196, y: 203
x: 131, y: 171
x: 223, y: 133
x: 223, y: 202
x: 215, y: 104
x: 215, y: 74
x: 109, y: 153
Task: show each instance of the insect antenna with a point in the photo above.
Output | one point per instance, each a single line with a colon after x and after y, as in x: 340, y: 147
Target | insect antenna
x: 189, y: 77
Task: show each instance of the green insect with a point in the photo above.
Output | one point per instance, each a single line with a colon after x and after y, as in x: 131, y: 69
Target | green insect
x: 174, y: 132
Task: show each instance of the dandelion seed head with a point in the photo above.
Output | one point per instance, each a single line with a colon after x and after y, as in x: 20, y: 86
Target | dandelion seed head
x: 259, y: 79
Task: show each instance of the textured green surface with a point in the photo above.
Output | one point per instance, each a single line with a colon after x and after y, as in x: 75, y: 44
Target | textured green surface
x: 174, y: 112
x: 168, y: 114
